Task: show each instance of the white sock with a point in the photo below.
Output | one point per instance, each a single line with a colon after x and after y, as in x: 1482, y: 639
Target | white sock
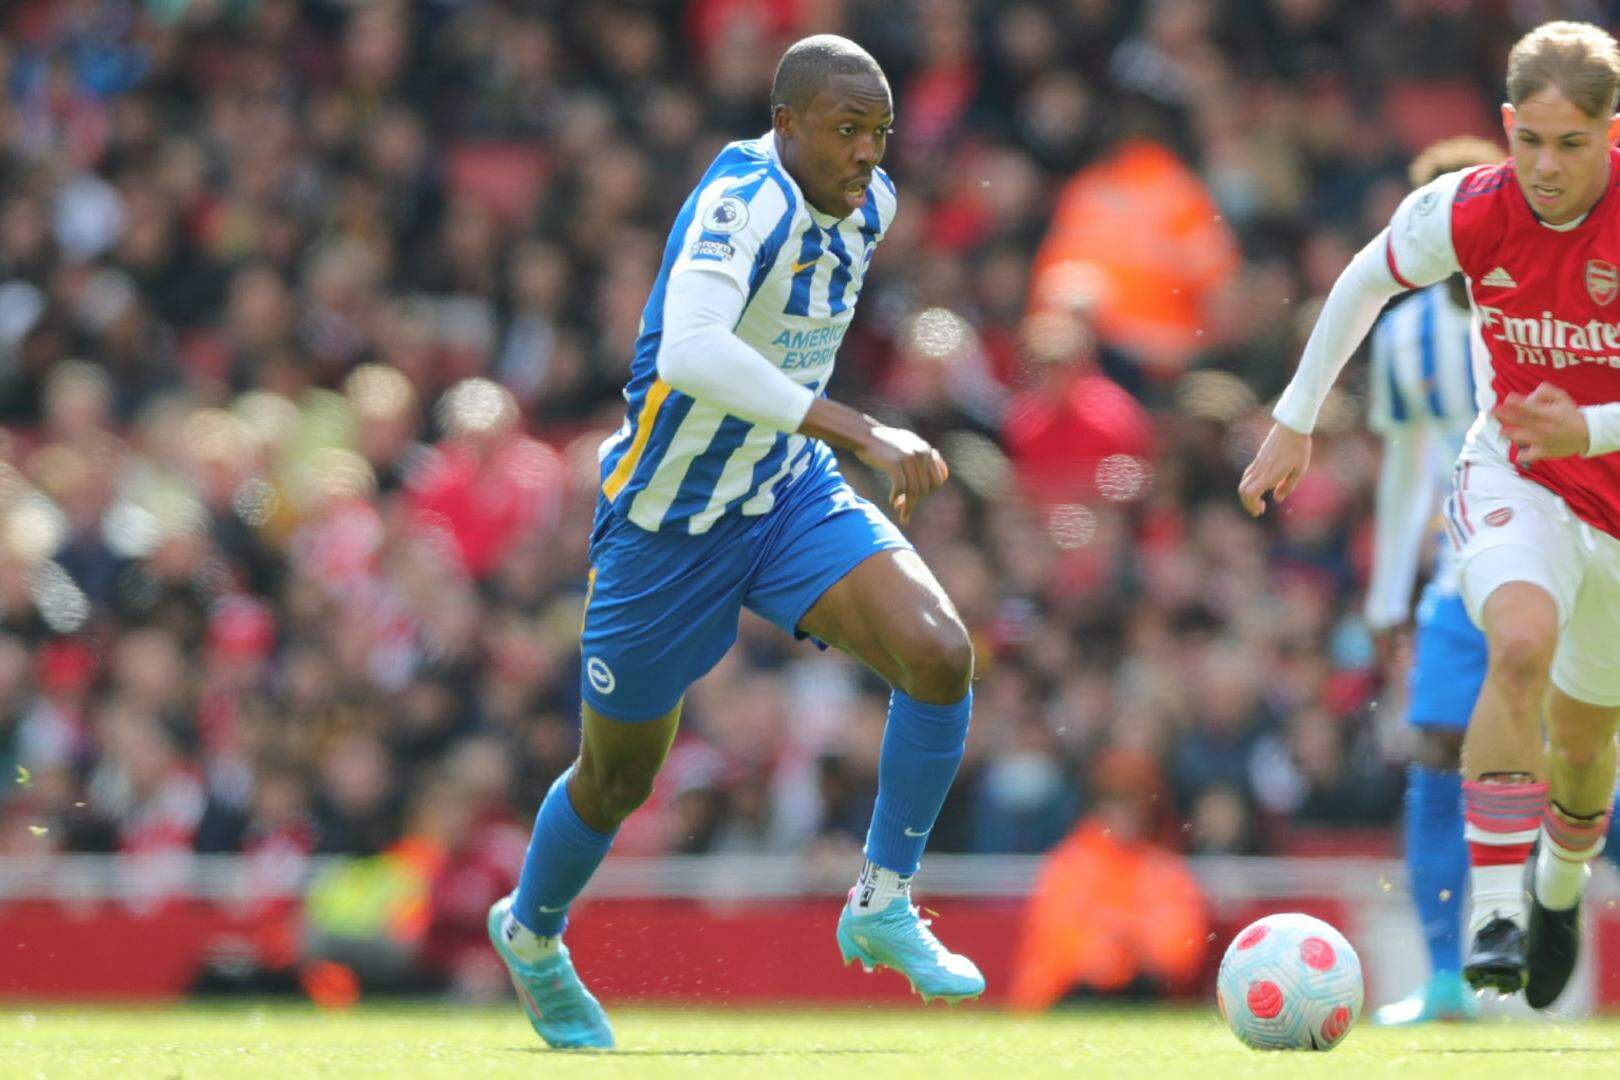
x: 1496, y: 890
x: 529, y: 946
x: 876, y: 888
x: 1561, y: 875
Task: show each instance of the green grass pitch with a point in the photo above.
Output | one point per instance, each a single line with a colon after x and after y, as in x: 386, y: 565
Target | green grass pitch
x: 407, y: 1041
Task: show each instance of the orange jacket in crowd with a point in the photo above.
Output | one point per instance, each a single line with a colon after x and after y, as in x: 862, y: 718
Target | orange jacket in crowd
x: 1137, y: 243
x: 1104, y: 913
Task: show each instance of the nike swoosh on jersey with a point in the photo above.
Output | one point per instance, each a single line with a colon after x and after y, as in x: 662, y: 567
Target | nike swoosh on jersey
x: 801, y: 267
x: 913, y: 832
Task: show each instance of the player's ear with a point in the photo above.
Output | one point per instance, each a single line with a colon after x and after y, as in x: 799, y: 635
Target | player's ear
x: 783, y: 122
x: 1614, y: 129
x: 1508, y: 114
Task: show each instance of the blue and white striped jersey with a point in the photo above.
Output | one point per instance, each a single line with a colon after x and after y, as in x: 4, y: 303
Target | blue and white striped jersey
x: 1423, y: 401
x: 679, y: 464
x: 1422, y: 367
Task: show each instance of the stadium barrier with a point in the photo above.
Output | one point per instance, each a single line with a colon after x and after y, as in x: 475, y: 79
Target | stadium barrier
x: 720, y: 929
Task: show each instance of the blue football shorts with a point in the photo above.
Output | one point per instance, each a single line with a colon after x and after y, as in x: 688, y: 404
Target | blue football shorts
x: 663, y: 606
x: 1449, y: 666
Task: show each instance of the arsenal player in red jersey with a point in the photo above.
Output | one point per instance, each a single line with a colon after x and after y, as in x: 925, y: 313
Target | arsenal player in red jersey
x: 1535, y: 508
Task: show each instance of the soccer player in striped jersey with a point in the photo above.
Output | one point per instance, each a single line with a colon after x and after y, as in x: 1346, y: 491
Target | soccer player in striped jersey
x: 721, y: 492
x: 1535, y: 502
x: 1422, y: 404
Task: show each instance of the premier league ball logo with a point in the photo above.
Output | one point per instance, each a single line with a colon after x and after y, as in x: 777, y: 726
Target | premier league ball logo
x: 727, y: 215
x: 1602, y: 281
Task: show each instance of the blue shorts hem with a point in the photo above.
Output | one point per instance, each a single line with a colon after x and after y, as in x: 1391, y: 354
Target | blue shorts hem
x: 1449, y: 723
x: 622, y: 717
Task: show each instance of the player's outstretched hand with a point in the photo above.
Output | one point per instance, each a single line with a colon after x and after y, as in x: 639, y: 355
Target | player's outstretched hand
x: 913, y: 467
x: 1546, y: 424
x: 1282, y: 460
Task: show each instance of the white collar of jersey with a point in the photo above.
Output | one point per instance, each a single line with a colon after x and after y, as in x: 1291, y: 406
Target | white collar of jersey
x: 1566, y: 226
x: 826, y: 221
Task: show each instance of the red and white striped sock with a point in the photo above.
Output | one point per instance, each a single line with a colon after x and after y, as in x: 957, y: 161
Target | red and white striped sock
x: 1502, y: 821
x: 1568, y: 843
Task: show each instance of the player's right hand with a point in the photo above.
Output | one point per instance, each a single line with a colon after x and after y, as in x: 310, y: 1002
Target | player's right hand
x: 913, y: 467
x: 1282, y: 460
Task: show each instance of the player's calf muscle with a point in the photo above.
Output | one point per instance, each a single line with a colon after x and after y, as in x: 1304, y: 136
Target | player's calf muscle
x: 1581, y: 754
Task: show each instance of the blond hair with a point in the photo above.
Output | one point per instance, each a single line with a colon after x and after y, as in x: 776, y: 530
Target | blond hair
x: 1580, y: 59
x: 1449, y: 155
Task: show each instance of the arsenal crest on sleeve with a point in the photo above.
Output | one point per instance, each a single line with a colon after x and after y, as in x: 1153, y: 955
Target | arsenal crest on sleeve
x: 1602, y: 281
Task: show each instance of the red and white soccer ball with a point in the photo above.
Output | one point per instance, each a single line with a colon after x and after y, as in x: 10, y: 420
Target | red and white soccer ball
x: 1289, y: 982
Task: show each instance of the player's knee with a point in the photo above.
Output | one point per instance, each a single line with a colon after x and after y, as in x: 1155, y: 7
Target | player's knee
x: 938, y: 662
x: 614, y: 795
x: 1520, y: 658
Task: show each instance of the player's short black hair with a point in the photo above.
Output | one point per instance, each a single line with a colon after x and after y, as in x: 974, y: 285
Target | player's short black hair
x: 809, y: 62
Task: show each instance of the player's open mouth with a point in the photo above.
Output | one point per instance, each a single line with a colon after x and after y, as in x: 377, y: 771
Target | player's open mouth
x: 1546, y: 194
x: 855, y: 190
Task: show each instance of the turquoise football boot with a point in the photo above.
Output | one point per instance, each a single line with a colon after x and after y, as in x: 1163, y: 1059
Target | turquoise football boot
x: 560, y: 1009
x: 898, y: 937
x: 1445, y: 997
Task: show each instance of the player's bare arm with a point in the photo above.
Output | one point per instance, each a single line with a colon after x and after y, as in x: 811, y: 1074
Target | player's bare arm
x: 913, y: 467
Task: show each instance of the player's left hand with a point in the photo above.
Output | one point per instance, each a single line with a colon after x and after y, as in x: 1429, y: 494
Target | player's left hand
x: 914, y: 468
x: 1546, y: 424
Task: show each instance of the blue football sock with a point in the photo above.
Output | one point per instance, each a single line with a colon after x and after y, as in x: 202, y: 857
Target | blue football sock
x: 1612, y: 847
x: 563, y: 854
x: 1437, y: 861
x: 922, y: 746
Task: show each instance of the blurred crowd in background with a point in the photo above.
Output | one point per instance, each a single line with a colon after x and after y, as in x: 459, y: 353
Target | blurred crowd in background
x: 313, y: 313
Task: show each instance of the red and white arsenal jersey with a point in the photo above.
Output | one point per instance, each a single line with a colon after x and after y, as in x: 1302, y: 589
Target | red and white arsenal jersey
x: 1546, y: 307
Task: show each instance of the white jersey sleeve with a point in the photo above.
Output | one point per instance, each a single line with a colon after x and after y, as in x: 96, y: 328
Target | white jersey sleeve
x: 701, y: 357
x: 1415, y: 250
x: 1417, y: 245
x: 736, y: 229
x: 1348, y: 313
x: 1602, y: 428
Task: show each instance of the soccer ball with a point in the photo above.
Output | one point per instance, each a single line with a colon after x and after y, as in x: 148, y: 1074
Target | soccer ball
x: 1289, y: 982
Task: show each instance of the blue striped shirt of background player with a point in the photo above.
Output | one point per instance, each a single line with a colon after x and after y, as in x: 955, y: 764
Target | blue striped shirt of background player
x: 1422, y: 401
x: 680, y: 464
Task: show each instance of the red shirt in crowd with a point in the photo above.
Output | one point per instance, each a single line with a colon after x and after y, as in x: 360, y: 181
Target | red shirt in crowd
x: 1059, y: 432
x: 487, y: 504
